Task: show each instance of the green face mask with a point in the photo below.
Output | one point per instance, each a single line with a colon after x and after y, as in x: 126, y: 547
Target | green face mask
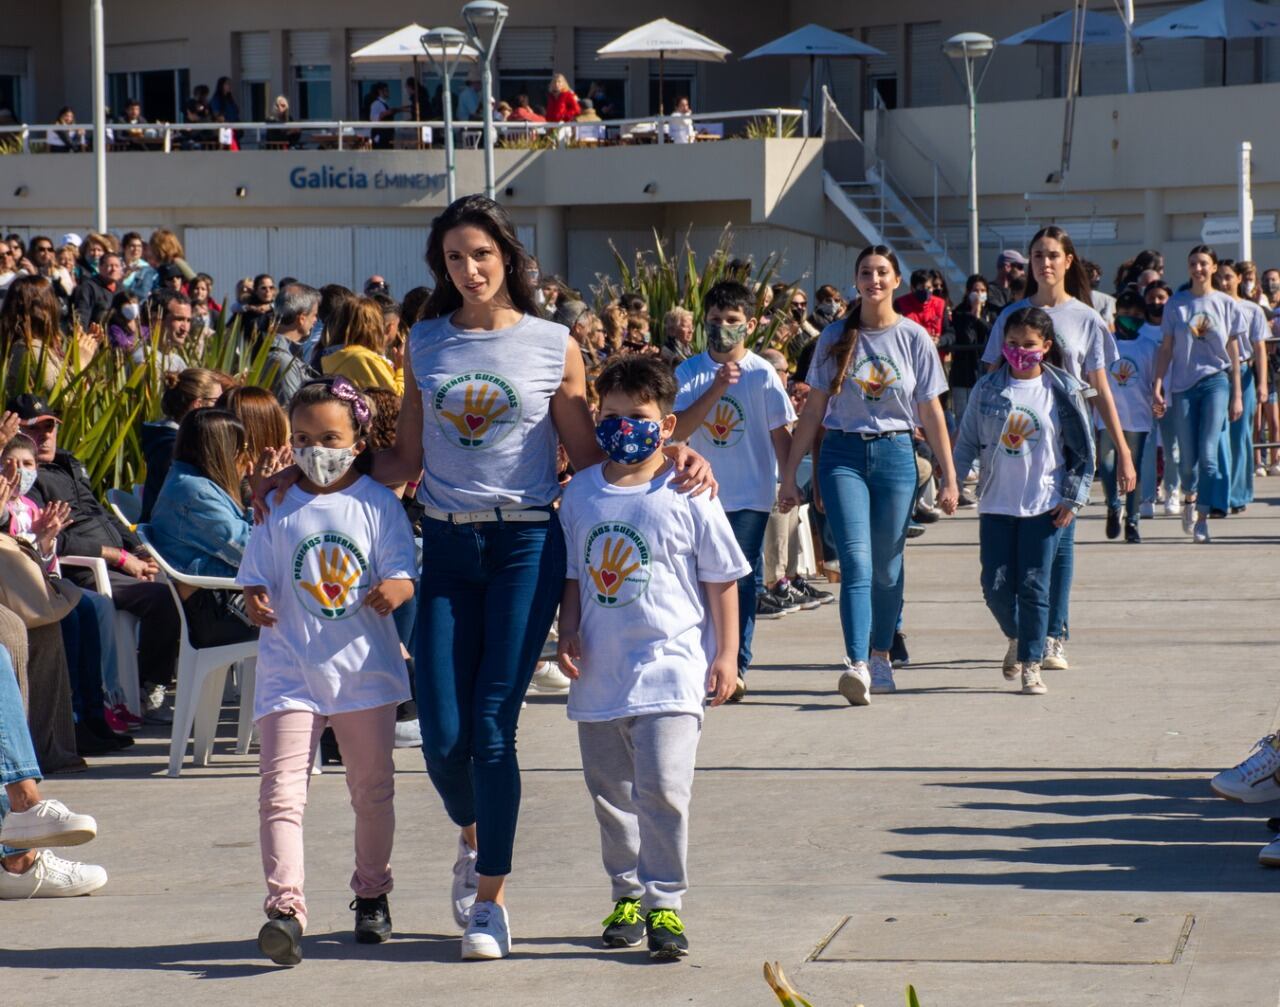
x: 723, y: 338
x: 1127, y: 327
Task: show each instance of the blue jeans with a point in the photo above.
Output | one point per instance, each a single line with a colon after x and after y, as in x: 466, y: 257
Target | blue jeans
x: 1137, y: 441
x: 1240, y: 439
x: 84, y: 660
x: 1064, y: 568
x: 1201, y: 413
x: 488, y: 596
x: 17, y: 754
x: 748, y: 528
x: 1017, y: 554
x: 868, y: 488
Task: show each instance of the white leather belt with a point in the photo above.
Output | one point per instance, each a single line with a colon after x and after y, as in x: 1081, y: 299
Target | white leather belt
x: 497, y: 515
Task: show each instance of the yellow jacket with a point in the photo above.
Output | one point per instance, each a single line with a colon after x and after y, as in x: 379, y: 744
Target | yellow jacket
x: 364, y: 367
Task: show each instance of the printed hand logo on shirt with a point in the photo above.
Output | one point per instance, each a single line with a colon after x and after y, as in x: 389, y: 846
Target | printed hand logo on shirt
x: 477, y: 409
x: 331, y: 585
x: 1201, y: 325
x: 618, y: 559
x: 726, y: 423
x: 875, y: 376
x: 1124, y: 370
x: 1021, y: 432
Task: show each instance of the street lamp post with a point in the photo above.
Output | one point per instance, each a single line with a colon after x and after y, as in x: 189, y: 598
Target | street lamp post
x: 98, y: 64
x: 445, y: 49
x: 969, y: 47
x: 485, y: 19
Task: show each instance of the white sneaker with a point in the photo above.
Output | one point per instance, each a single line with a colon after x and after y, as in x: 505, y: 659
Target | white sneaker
x: 1261, y: 470
x: 1254, y: 780
x: 547, y: 677
x: 1055, y: 655
x: 1202, y: 531
x: 1274, y: 470
x: 48, y: 823
x: 488, y: 933
x: 1188, y: 519
x: 1147, y: 509
x: 51, y: 877
x: 855, y: 683
x: 465, y: 883
x: 1010, y: 664
x: 408, y: 734
x: 1172, y: 505
x: 882, y: 676
x: 1032, y: 683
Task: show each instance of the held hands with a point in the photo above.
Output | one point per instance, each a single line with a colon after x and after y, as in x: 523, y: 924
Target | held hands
x: 569, y: 653
x: 389, y: 595
x: 722, y: 679
x: 257, y: 607
x: 949, y: 498
x: 788, y: 494
x: 1062, y: 516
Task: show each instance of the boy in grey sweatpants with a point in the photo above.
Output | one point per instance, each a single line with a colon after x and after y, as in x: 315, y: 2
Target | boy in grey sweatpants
x: 648, y: 626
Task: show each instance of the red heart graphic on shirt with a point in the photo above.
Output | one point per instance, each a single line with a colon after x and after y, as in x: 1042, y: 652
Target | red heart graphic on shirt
x: 1013, y: 439
x: 608, y: 578
x: 721, y: 430
x: 474, y: 422
x: 332, y: 591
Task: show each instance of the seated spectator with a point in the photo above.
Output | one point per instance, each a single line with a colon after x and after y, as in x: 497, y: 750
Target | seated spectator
x: 167, y: 250
x: 193, y: 388
x: 135, y: 137
x: 169, y: 339
x: 92, y: 299
x: 266, y: 425
x: 680, y: 128
x: 677, y: 336
x: 139, y: 274
x: 123, y: 324
x: 296, y: 310
x: 31, y: 338
x: 502, y: 111
x: 523, y: 112
x: 223, y: 104
x: 62, y: 141
x: 200, y: 525
x: 363, y: 356
x: 588, y: 112
x: 44, y: 257
x: 91, y: 250
x: 196, y: 109
x: 280, y: 113
x: 562, y: 103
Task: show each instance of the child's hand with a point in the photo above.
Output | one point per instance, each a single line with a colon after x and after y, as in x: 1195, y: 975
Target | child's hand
x: 722, y: 679
x: 257, y: 607
x: 569, y: 653
x: 1062, y: 516
x: 55, y: 516
x: 388, y: 596
x: 727, y: 375
x: 788, y: 495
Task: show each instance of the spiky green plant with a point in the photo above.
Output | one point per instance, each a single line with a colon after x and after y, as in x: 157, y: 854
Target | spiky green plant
x: 767, y: 129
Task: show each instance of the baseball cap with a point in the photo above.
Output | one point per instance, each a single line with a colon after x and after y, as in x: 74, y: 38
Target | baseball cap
x: 70, y: 238
x: 1011, y: 255
x: 31, y: 409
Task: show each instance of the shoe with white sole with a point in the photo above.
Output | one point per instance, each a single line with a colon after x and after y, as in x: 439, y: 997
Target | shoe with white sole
x: 48, y: 823
x: 1260, y: 471
x: 1254, y: 780
x: 1032, y: 683
x: 1188, y: 519
x: 548, y: 678
x: 1201, y: 531
x: 882, y: 676
x: 155, y: 709
x: 1172, y: 505
x: 1147, y: 509
x: 1009, y: 666
x: 408, y: 734
x: 465, y: 883
x: 1269, y: 855
x: 1274, y: 470
x: 488, y: 933
x: 855, y: 683
x: 1055, y: 655
x: 51, y: 877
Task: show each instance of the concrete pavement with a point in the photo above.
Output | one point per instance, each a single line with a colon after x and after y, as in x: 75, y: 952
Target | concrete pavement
x: 988, y: 847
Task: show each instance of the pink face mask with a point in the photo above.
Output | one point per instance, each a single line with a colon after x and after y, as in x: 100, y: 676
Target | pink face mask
x: 1020, y: 358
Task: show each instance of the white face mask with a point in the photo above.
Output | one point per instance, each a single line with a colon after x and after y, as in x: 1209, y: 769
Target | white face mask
x: 129, y: 312
x: 977, y: 297
x: 324, y: 466
x: 26, y: 479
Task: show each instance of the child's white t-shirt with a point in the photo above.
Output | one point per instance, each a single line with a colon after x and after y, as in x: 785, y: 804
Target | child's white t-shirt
x: 1132, y: 377
x: 640, y: 555
x: 318, y: 556
x: 736, y: 435
x: 1026, y: 466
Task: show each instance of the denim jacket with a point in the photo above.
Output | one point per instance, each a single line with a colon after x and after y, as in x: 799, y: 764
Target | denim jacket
x: 984, y: 420
x: 196, y: 527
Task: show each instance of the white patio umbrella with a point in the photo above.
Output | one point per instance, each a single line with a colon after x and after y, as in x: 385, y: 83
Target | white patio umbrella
x: 1222, y: 19
x: 1099, y: 29
x: 663, y: 38
x: 405, y: 46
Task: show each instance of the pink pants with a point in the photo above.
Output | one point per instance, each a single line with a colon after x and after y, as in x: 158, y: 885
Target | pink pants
x: 367, y: 740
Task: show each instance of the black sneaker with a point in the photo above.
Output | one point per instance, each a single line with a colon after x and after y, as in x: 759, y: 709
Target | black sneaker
x: 967, y: 499
x: 373, y: 919
x: 666, y: 935
x: 926, y: 515
x: 898, y: 655
x: 624, y: 927
x: 88, y: 743
x: 99, y: 728
x: 280, y: 938
x: 1113, y: 522
x: 786, y: 594
x: 767, y: 608
x: 809, y: 591
x: 1238, y: 510
x: 915, y: 530
x: 782, y: 598
x: 330, y: 755
x: 1217, y: 512
x: 1131, y: 533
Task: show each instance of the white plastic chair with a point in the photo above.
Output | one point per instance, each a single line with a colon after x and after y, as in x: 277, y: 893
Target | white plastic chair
x: 126, y: 641
x: 202, y: 673
x: 127, y: 507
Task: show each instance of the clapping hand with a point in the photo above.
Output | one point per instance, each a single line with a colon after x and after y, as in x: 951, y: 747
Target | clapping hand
x: 9, y: 427
x: 55, y: 516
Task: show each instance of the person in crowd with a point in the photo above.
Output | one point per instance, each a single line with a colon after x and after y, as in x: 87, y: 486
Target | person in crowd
x: 389, y: 308
x: 168, y: 344
x: 1060, y: 286
x: 677, y: 336
x: 875, y: 376
x: 965, y: 341
x: 266, y: 426
x: 223, y: 103
x: 411, y: 307
x: 1030, y: 427
x: 69, y: 255
x: 362, y: 357
x: 123, y: 322
x: 89, y: 253
x: 185, y: 391
x: 1103, y: 303
x: 93, y: 295
x: 641, y: 673
x: 732, y: 408
x: 680, y: 126
x: 66, y: 140
x: 828, y: 307
x: 357, y: 675
x: 324, y: 334
x: 31, y: 338
x: 470, y: 101
x: 581, y: 322
x: 922, y: 305
x: 259, y: 308
x: 44, y: 255
x: 279, y: 113
x: 204, y: 308
x: 1235, y: 453
x: 1011, y: 267
x: 562, y: 103
x: 1132, y: 270
x: 139, y: 274
x: 10, y: 268
x: 378, y: 108
x: 1132, y: 376
x: 523, y: 111
x: 588, y: 112
x: 1249, y: 287
x: 166, y: 250
x: 502, y: 111
x: 1199, y: 368
x: 1271, y: 289
x: 614, y: 318
x: 297, y: 308
x: 1164, y: 438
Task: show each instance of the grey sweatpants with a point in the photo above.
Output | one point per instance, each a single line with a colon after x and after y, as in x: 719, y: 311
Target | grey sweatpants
x: 639, y: 772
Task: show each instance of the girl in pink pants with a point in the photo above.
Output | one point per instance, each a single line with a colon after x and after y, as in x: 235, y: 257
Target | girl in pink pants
x: 321, y: 576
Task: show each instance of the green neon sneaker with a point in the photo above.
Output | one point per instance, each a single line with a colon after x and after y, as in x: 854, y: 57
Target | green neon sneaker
x: 666, y: 935
x: 624, y: 927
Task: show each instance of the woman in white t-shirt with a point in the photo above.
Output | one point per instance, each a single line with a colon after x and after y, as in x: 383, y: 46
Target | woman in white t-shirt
x: 1199, y: 367
x: 1237, y: 447
x: 874, y: 378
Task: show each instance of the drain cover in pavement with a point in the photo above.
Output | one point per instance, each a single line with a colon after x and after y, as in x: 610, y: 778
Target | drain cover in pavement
x: 1085, y: 940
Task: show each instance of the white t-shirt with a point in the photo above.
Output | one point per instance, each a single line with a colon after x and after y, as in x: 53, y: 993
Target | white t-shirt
x: 1201, y: 327
x: 1083, y: 337
x: 1255, y: 332
x: 318, y: 556
x: 640, y: 555
x: 1133, y: 381
x: 1104, y: 305
x: 896, y: 368
x: 1026, y: 466
x: 735, y: 437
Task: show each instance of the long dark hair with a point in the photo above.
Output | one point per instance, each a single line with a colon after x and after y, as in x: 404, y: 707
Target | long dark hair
x: 844, y: 348
x: 211, y: 441
x: 1038, y: 321
x: 1077, y: 278
x: 490, y: 217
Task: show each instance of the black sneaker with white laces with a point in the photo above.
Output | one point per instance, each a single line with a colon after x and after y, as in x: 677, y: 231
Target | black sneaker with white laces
x: 624, y: 927
x: 781, y: 597
x: 373, y: 919
x: 767, y: 608
x: 802, y: 586
x: 785, y: 593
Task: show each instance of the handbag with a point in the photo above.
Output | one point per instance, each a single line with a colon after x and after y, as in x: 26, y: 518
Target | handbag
x: 37, y: 599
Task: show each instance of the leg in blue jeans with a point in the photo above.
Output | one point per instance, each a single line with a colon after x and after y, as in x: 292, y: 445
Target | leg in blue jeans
x: 488, y: 597
x: 1201, y: 413
x: 1064, y: 568
x: 1241, y: 441
x: 1107, y: 469
x: 17, y: 754
x: 1168, y: 424
x: 748, y: 528
x: 1016, y: 555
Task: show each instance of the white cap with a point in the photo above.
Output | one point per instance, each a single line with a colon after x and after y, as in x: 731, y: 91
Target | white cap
x: 70, y: 238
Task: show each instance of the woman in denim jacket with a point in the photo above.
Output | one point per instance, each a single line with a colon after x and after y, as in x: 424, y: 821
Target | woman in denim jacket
x: 1028, y: 424
x: 201, y: 527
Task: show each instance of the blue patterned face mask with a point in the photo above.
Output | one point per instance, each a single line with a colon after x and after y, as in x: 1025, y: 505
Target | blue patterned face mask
x: 628, y: 441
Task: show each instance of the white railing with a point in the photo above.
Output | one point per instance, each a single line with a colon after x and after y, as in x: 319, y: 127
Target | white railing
x: 341, y: 134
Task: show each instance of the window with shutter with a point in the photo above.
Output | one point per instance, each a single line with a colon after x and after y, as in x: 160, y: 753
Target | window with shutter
x: 924, y: 63
x: 882, y: 71
x: 526, y: 60
x: 588, y: 66
x: 255, y: 55
x: 309, y: 48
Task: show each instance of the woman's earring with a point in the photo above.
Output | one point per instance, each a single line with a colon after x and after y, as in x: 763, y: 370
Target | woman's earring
x: 510, y: 269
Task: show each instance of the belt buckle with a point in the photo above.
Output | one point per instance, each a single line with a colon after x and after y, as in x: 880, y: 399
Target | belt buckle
x: 869, y: 436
